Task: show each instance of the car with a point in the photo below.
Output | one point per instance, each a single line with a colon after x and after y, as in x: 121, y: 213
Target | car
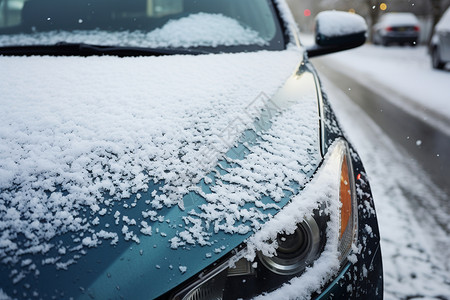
x: 401, y: 28
x: 179, y: 149
x: 440, y: 42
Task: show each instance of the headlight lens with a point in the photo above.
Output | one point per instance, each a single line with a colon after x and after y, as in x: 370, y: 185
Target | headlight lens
x: 239, y: 278
x: 295, y: 251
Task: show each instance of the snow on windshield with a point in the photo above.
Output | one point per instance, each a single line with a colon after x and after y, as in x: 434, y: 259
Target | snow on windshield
x: 201, y: 29
x: 76, y: 129
x: 204, y: 30
x: 335, y: 23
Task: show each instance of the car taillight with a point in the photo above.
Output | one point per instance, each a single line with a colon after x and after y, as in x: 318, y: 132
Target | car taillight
x: 416, y: 28
x: 388, y: 28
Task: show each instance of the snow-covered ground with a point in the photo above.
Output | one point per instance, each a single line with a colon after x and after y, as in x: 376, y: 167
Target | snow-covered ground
x: 402, y: 73
x: 415, y: 249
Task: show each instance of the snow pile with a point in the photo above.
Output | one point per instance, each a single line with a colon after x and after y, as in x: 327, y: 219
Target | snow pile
x: 74, y: 129
x: 336, y: 23
x: 202, y: 29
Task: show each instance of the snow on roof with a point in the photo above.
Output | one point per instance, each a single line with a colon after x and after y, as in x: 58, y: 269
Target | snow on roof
x: 399, y: 19
x: 201, y: 29
x: 334, y: 23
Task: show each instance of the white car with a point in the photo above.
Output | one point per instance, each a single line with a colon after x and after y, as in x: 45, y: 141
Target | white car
x: 401, y: 28
x: 440, y: 42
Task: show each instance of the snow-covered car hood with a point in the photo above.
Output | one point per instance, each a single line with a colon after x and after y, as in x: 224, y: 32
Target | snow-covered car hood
x: 150, y: 155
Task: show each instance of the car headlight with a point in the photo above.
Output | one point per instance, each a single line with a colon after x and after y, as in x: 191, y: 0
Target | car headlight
x: 236, y: 277
x: 295, y: 251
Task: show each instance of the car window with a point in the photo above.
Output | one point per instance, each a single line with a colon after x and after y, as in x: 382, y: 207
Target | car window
x: 140, y: 23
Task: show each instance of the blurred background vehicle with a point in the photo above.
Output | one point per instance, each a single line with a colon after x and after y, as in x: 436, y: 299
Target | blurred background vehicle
x: 440, y: 42
x: 428, y: 12
x: 401, y: 28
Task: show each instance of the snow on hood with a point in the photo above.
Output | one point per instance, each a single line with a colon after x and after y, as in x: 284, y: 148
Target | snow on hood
x: 248, y: 187
x: 76, y: 129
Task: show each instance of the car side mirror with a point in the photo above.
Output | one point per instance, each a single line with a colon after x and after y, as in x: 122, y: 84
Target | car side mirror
x: 337, y: 31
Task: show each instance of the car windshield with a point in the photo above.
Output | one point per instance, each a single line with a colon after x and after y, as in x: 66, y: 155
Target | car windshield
x: 218, y: 26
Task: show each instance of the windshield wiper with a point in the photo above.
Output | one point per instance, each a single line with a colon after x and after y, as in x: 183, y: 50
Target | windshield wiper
x: 81, y: 49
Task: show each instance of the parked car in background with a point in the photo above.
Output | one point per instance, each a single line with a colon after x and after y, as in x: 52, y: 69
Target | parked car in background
x: 396, y: 28
x: 440, y: 42
x: 178, y: 149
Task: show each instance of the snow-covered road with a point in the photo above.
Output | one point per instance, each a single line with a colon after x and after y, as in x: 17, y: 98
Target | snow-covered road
x: 399, y: 73
x: 415, y: 248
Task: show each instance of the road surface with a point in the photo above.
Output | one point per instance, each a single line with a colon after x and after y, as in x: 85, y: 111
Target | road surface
x: 426, y: 144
